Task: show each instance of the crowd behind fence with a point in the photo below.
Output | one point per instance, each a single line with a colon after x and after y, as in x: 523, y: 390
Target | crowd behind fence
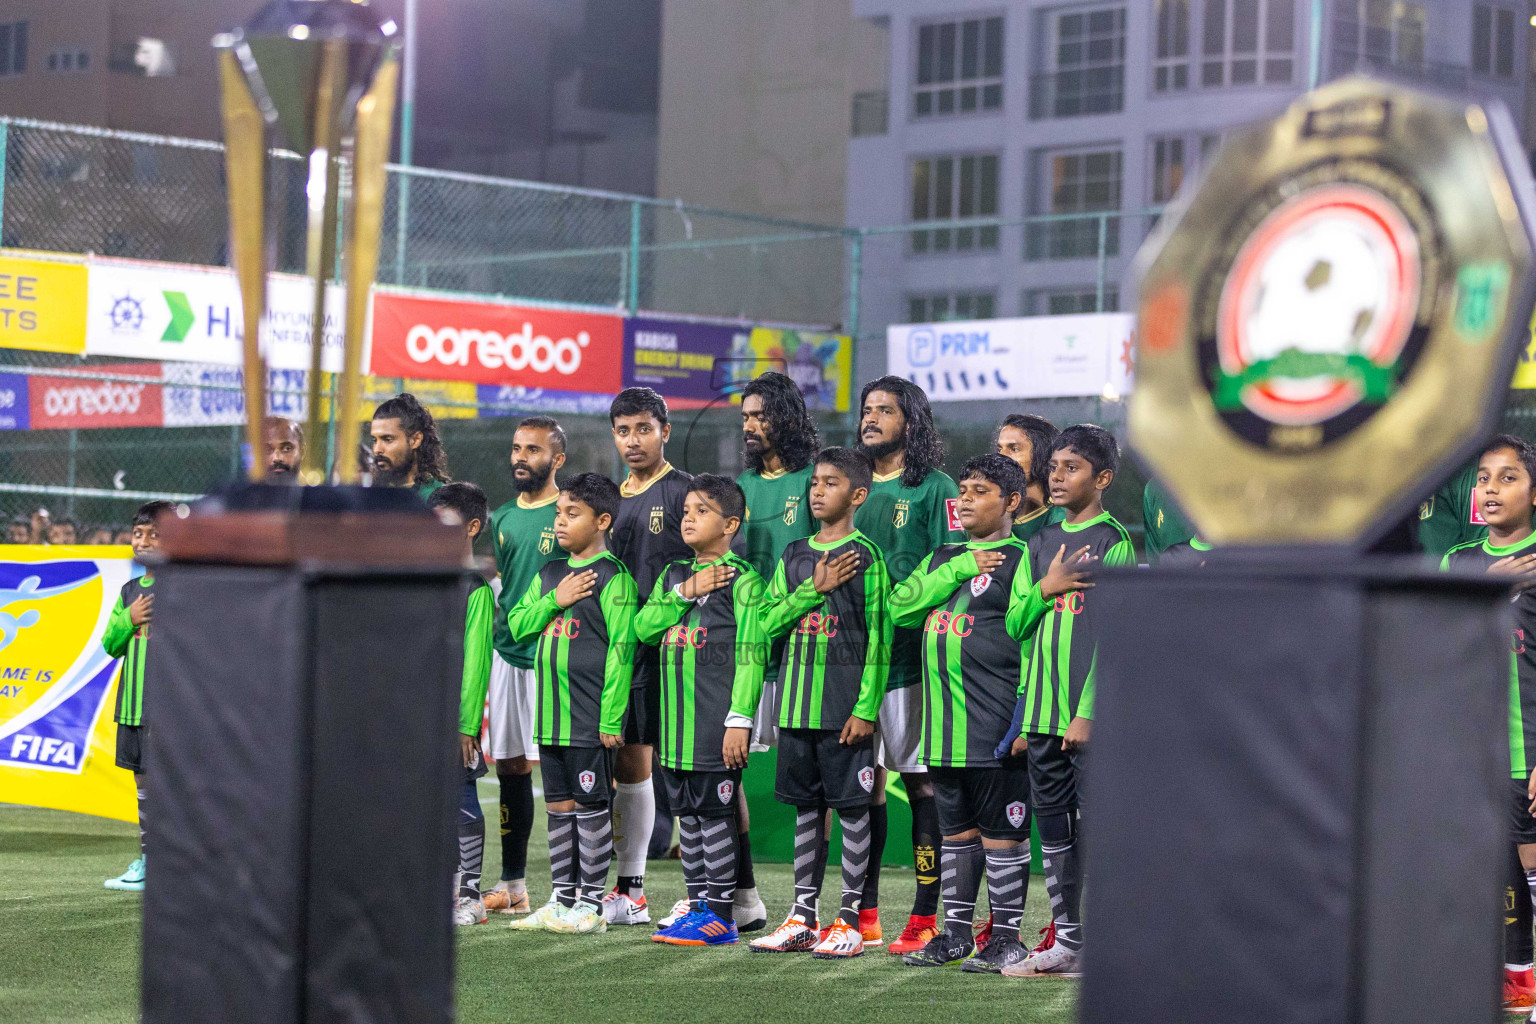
x: 80, y: 190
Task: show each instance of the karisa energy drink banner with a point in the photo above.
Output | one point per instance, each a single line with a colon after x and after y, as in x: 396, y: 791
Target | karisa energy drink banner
x: 57, y: 684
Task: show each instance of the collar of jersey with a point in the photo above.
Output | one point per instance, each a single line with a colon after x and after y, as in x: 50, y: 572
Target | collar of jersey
x: 1043, y: 510
x: 729, y: 556
x: 773, y: 476
x: 987, y: 545
x: 887, y: 478
x: 624, y: 491
x: 1509, y: 549
x: 541, y: 504
x: 577, y: 564
x: 819, y: 546
x: 1073, y: 528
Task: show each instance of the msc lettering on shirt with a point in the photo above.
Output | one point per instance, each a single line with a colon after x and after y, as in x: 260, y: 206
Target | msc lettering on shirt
x: 683, y: 635
x: 941, y: 622
x: 818, y: 624
x: 568, y: 628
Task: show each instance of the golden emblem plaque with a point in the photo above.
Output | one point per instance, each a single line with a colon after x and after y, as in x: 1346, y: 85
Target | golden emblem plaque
x: 325, y: 72
x: 1328, y: 324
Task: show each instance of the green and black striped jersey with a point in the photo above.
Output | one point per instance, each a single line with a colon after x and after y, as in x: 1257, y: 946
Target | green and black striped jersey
x: 1059, y: 672
x: 713, y: 653
x: 971, y: 662
x: 123, y: 640
x: 839, y: 645
x: 906, y: 524
x: 479, y: 613
x: 586, y: 653
x: 1477, y: 556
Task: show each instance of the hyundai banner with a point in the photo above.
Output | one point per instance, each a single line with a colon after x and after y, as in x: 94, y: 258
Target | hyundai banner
x: 495, y: 343
x: 1025, y: 357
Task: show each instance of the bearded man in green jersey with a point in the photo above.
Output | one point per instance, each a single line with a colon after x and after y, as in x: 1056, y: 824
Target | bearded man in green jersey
x: 406, y: 449
x: 910, y: 511
x: 779, y: 439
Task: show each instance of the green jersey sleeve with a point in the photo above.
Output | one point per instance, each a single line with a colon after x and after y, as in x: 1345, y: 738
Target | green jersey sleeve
x: 478, y: 620
x: 1085, y: 700
x: 618, y: 601
x: 1026, y: 605
x: 662, y: 611
x: 877, y: 660
x: 926, y: 588
x: 783, y: 607
x: 751, y: 645
x: 1123, y: 553
x: 532, y: 612
x: 119, y: 630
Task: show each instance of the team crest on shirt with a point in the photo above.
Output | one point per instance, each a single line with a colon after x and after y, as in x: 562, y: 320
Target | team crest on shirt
x: 979, y: 584
x: 656, y: 519
x: 867, y: 779
x: 587, y: 780
x: 1016, y: 812
x: 952, y: 514
x: 1427, y: 509
x: 546, y: 542
x: 791, y: 510
x: 900, y: 516
x: 724, y: 791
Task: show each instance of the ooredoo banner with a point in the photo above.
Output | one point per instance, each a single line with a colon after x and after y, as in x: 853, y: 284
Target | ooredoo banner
x: 66, y: 403
x: 1023, y: 357
x: 496, y: 344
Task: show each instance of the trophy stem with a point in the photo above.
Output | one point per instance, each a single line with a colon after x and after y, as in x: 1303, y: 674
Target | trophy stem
x: 320, y: 241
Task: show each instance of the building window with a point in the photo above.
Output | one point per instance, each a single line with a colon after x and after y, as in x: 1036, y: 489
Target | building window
x: 69, y: 58
x: 1167, y: 169
x: 1493, y: 41
x: 1246, y: 42
x: 147, y: 57
x: 926, y: 309
x: 959, y: 67
x: 954, y: 188
x: 1075, y: 182
x: 871, y: 113
x: 1087, y: 56
x: 1068, y: 301
x: 1171, y: 66
x: 13, y: 48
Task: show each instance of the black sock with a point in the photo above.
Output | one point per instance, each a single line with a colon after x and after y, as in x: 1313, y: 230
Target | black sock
x: 1517, y: 913
x: 856, y: 847
x: 141, y: 792
x: 471, y: 842
x: 1064, y: 881
x: 516, y: 824
x: 961, y: 864
x: 632, y: 886
x: 810, y: 862
x: 879, y: 826
x: 925, y: 843
x: 690, y: 846
x: 719, y: 843
x: 745, y: 878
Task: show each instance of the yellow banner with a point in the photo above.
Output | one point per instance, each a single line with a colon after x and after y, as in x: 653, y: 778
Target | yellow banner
x: 434, y: 394
x: 1525, y: 370
x: 822, y: 364
x: 58, y: 744
x: 42, y: 304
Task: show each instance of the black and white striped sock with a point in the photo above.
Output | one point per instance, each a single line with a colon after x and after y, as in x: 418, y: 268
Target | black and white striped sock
x: 471, y: 843
x: 810, y: 839
x: 690, y: 848
x: 142, y: 792
x: 562, y: 858
x: 720, y: 864
x: 1063, y: 883
x: 960, y: 866
x: 856, y: 847
x: 1007, y: 873
x: 594, y: 830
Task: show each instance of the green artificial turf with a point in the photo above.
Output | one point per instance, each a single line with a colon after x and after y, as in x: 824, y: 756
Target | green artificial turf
x: 69, y: 951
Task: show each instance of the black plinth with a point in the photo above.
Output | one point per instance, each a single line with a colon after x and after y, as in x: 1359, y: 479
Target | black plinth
x: 302, y: 769
x: 1296, y: 796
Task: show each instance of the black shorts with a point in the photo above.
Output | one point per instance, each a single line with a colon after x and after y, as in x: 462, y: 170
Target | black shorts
x: 1522, y: 826
x: 702, y: 794
x: 474, y: 771
x: 642, y: 719
x: 130, y: 747
x: 1055, y: 781
x: 582, y: 774
x: 994, y: 800
x: 815, y: 770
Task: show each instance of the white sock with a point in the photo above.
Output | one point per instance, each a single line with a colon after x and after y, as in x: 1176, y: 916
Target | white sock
x: 634, y: 817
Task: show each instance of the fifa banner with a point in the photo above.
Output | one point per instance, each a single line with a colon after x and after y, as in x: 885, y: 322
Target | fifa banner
x: 57, y: 684
x: 1023, y: 357
x: 42, y: 302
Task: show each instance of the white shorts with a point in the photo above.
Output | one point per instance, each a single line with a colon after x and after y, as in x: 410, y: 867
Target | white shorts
x: 511, y: 700
x: 900, y: 731
x: 765, y: 727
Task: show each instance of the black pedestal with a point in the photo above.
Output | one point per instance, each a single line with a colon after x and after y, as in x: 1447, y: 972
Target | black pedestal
x: 303, y: 785
x: 1296, y: 797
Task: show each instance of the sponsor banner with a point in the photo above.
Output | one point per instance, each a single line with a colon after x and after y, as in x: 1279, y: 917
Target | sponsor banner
x: 509, y: 400
x: 42, y: 305
x: 496, y: 343
x: 1525, y: 370
x: 193, y: 314
x: 822, y: 364
x: 685, y: 361
x: 434, y: 394
x: 1023, y: 357
x: 66, y: 403
x: 15, y: 401
x: 203, y: 401
x: 57, y: 684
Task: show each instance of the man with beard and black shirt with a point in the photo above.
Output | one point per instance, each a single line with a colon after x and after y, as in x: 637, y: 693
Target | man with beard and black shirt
x: 523, y: 538
x: 910, y: 511
x: 406, y: 449
x: 646, y: 536
x: 284, y: 442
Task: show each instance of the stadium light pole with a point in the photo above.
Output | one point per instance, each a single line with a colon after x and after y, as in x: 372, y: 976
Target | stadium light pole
x: 407, y: 137
x: 1317, y: 42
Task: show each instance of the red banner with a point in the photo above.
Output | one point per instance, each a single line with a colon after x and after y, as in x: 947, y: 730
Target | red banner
x: 492, y: 343
x: 64, y: 403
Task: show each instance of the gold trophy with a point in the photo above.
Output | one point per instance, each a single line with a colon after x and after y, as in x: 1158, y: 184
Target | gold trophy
x: 325, y: 72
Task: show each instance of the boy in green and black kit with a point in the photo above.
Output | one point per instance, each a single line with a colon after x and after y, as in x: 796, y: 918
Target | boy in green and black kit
x: 582, y: 609
x: 127, y: 637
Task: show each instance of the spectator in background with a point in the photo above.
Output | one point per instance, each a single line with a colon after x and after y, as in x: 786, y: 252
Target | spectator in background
x: 20, y: 531
x: 98, y: 535
x: 65, y: 531
x: 40, y: 521
x: 284, y: 442
x: 123, y: 537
